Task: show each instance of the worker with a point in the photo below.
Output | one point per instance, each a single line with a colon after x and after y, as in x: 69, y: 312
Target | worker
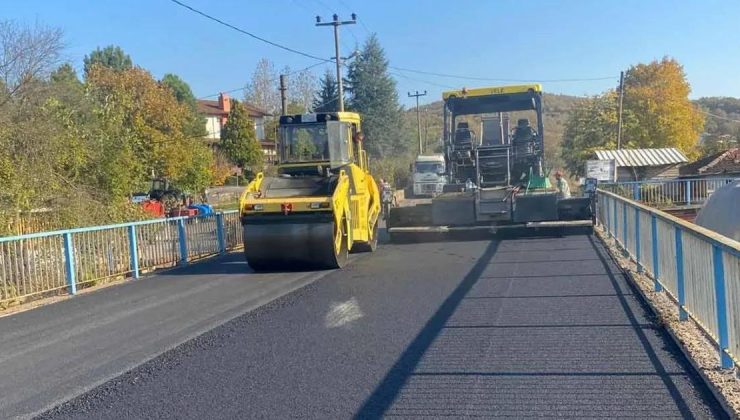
x: 562, y: 185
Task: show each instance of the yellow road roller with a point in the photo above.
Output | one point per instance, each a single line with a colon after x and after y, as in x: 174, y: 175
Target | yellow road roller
x: 322, y: 204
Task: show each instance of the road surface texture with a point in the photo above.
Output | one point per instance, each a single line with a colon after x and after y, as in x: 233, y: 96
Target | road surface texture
x: 516, y: 328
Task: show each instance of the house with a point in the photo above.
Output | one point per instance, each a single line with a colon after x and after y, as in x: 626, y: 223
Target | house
x: 217, y: 112
x: 722, y: 164
x: 643, y: 164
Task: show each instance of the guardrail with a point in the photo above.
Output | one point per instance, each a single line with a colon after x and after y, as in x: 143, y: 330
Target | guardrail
x: 43, y: 262
x: 698, y: 268
x: 668, y: 193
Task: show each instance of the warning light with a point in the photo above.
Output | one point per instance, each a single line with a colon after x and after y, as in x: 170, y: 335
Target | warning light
x: 286, y: 208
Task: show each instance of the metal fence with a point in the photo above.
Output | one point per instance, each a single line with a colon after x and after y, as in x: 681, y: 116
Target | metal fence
x: 43, y: 262
x: 668, y: 193
x: 698, y: 268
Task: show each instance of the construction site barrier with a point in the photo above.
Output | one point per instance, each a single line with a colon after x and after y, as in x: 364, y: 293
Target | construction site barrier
x: 38, y: 263
x: 698, y: 268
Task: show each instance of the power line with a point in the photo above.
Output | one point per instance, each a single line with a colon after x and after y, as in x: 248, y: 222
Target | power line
x: 259, y: 38
x: 274, y: 79
x: 718, y: 116
x: 228, y: 25
x: 421, y: 80
x: 488, y: 79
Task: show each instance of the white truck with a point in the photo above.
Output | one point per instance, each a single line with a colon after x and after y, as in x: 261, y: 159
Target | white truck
x: 428, y: 175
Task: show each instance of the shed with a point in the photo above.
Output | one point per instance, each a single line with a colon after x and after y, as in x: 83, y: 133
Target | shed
x: 643, y: 164
x: 722, y: 164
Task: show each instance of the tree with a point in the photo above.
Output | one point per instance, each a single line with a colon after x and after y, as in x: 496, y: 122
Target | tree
x: 111, y: 56
x: 657, y: 95
x: 327, y: 95
x: 262, y: 89
x: 239, y: 140
x: 657, y: 113
x: 196, y: 124
x: 591, y: 126
x: 27, y: 55
x: 373, y: 94
x: 142, y: 130
x: 180, y: 89
x: 301, y: 88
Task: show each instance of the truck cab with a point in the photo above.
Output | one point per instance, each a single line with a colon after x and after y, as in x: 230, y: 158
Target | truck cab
x: 428, y: 175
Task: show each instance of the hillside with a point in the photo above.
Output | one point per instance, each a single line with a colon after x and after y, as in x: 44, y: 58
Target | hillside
x: 722, y: 127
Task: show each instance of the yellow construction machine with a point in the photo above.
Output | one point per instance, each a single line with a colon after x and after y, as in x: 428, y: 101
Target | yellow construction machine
x: 322, y: 204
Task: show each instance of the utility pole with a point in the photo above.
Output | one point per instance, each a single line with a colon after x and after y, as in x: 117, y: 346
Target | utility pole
x: 283, y: 96
x: 621, y: 99
x: 336, y: 23
x: 418, y: 117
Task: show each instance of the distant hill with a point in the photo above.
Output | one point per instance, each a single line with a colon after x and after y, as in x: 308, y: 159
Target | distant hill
x: 722, y: 127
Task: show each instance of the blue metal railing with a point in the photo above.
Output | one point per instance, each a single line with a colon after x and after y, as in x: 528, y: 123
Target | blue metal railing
x: 43, y: 262
x: 698, y: 268
x: 669, y: 192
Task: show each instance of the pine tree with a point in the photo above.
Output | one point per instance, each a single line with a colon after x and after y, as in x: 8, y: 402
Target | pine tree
x: 373, y: 94
x: 111, y: 56
x: 239, y: 140
x: 326, y: 96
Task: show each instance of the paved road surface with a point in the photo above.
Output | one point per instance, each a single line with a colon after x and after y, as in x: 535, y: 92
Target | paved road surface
x: 529, y: 327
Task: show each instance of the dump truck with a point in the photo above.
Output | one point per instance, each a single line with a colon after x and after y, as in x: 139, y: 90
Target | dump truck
x: 322, y: 204
x: 496, y: 178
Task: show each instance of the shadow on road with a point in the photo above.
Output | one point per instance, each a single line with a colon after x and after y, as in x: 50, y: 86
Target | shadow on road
x: 388, y: 389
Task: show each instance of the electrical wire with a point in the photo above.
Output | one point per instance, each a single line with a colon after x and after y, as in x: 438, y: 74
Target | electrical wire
x: 259, y: 38
x: 404, y: 69
x: 274, y: 79
x: 488, y: 79
x: 718, y: 116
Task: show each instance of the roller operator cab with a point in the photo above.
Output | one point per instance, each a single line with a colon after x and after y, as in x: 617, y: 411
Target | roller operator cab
x: 494, y: 149
x: 322, y: 204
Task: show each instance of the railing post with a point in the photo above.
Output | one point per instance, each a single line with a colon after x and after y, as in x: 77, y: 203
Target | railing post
x: 181, y: 236
x: 616, y: 222
x: 220, y: 233
x: 608, y: 220
x: 638, y: 245
x: 69, y: 263
x: 688, y: 192
x: 624, y: 227
x: 654, y: 243
x: 719, y: 293
x: 680, y: 286
x: 133, y: 250
x: 636, y: 191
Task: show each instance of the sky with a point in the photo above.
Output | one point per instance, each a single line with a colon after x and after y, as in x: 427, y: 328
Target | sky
x: 537, y: 40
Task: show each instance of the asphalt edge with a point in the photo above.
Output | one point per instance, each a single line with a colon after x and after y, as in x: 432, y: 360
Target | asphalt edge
x: 627, y: 273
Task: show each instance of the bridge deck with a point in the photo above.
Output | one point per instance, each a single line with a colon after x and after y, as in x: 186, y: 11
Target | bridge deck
x: 516, y: 328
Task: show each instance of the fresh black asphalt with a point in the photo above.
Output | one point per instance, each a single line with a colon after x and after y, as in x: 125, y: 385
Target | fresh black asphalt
x: 541, y: 327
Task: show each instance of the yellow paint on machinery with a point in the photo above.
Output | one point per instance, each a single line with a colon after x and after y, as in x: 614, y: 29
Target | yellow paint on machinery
x: 324, y: 202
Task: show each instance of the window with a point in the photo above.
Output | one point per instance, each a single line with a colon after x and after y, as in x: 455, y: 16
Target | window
x: 429, y: 167
x: 259, y: 128
x: 304, y: 143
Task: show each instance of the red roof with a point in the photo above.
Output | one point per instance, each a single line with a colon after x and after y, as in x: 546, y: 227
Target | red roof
x: 212, y: 108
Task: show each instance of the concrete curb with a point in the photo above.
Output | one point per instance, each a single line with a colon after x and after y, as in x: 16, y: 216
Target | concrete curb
x: 726, y: 407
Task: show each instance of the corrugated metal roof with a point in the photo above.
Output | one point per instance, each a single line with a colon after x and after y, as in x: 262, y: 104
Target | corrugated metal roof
x: 643, y: 157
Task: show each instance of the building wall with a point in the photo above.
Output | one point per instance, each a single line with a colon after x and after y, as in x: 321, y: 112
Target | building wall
x: 259, y: 128
x: 625, y: 174
x: 213, y: 127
